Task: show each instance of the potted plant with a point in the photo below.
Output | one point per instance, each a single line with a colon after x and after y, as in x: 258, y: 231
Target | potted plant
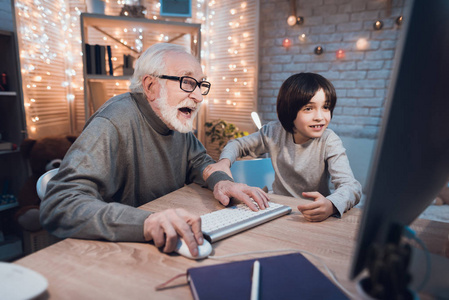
x: 220, y: 132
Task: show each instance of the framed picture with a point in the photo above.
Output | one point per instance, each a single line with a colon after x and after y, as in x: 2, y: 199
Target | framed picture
x: 176, y: 8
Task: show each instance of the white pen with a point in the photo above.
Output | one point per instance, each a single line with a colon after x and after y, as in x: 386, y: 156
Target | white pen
x: 255, y: 281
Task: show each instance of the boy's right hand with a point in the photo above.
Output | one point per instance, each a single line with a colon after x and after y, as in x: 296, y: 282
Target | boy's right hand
x: 319, y: 210
x: 222, y: 165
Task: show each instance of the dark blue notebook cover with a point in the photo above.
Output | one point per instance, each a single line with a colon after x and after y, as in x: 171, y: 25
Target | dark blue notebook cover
x: 289, y: 276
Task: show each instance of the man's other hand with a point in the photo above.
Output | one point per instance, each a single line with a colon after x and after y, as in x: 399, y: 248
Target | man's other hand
x: 164, y: 227
x: 225, y: 189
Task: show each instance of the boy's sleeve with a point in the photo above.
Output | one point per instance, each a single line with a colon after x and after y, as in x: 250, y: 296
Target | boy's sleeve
x: 348, y: 190
x: 251, y: 145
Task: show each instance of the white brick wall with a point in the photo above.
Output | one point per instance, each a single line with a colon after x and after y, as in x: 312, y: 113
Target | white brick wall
x: 361, y: 78
x: 6, y: 15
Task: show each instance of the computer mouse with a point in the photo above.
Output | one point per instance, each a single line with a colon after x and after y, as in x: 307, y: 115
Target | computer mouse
x: 203, y: 250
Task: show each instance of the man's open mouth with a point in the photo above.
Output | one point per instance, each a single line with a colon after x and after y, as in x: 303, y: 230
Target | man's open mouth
x: 186, y: 110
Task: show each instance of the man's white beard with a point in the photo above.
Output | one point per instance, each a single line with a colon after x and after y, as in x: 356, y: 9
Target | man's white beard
x: 169, y: 114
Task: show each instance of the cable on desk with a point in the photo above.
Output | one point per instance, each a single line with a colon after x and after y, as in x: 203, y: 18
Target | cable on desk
x: 163, y: 285
x: 332, y: 275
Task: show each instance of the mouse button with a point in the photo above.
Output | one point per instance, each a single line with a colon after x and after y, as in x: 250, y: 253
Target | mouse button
x: 204, y: 250
x: 182, y: 249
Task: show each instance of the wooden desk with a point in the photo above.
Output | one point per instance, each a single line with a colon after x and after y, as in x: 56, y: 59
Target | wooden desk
x: 82, y: 269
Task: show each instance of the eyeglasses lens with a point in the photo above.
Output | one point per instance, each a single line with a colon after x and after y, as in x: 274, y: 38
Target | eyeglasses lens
x: 189, y: 85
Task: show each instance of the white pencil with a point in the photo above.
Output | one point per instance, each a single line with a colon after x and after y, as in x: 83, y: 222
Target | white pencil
x: 255, y: 281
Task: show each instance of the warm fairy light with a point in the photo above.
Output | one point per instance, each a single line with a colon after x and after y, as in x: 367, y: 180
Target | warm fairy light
x: 286, y: 43
x: 291, y: 21
x: 362, y: 44
x: 340, y: 54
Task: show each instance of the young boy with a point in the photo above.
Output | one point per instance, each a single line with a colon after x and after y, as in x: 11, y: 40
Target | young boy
x: 304, y: 152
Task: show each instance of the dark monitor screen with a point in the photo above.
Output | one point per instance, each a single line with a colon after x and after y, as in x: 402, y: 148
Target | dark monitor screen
x: 411, y: 162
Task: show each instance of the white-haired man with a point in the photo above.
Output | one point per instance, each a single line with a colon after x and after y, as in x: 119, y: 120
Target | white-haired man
x: 137, y: 147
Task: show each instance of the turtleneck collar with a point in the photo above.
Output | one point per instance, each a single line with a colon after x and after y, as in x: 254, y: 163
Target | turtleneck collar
x: 150, y: 115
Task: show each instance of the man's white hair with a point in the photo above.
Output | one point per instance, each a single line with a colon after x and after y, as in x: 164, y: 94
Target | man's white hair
x: 152, y: 62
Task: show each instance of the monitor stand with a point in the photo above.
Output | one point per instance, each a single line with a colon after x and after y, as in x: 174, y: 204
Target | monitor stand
x: 396, y: 270
x: 388, y: 265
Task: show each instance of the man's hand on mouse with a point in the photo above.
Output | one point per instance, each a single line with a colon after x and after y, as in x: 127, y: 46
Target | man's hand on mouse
x: 163, y: 228
x: 225, y: 189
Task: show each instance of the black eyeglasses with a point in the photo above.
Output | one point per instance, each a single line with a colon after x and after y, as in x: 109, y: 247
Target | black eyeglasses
x: 188, y: 84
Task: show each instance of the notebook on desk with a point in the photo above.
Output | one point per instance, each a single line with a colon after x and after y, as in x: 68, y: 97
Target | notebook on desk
x: 289, y: 276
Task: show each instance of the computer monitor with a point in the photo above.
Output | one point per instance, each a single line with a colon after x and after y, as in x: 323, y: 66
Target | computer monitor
x: 411, y: 163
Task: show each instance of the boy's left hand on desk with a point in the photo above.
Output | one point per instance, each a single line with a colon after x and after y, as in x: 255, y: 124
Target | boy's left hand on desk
x: 223, y: 165
x: 224, y: 190
x: 319, y: 210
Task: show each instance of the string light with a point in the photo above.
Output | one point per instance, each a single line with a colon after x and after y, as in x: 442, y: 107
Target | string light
x: 340, y: 54
x: 36, y: 23
x: 286, y: 43
x: 362, y: 44
x: 318, y: 50
x: 378, y: 25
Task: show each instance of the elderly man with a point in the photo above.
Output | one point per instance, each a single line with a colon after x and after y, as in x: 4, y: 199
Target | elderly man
x: 137, y: 147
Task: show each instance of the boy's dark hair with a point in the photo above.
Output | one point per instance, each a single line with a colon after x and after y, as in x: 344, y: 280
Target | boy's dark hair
x: 297, y: 91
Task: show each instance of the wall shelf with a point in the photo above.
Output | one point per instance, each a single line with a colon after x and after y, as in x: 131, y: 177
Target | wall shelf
x: 8, y: 93
x: 12, y: 119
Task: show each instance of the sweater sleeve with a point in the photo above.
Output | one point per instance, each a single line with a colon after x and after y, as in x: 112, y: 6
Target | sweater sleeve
x: 347, y: 189
x: 75, y: 204
x: 252, y: 145
x: 198, y: 160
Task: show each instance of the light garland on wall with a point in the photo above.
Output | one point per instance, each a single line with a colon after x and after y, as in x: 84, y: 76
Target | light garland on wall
x: 38, y: 57
x: 361, y: 44
x: 236, y: 42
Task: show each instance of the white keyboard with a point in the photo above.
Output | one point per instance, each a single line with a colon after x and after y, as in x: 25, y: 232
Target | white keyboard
x: 225, y: 222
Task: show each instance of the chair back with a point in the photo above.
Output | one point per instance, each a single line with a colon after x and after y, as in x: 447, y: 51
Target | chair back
x: 254, y: 172
x: 41, y: 185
